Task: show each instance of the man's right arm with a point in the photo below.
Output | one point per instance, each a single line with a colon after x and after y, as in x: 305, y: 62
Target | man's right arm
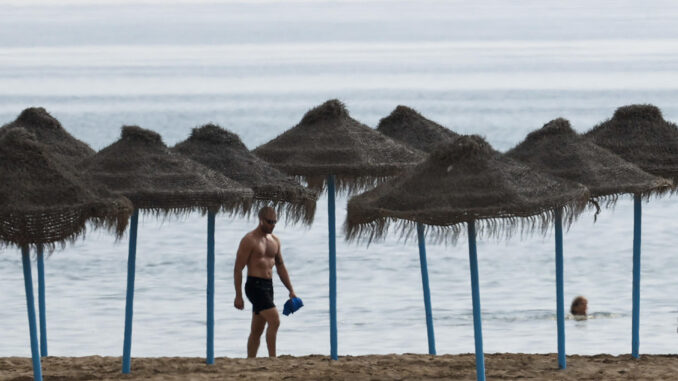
x: 241, y: 260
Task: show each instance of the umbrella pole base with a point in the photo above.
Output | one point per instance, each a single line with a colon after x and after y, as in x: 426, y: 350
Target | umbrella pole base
x: 475, y: 294
x: 30, y: 306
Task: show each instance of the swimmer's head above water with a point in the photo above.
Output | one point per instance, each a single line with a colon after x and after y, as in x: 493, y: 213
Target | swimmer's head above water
x: 579, y: 305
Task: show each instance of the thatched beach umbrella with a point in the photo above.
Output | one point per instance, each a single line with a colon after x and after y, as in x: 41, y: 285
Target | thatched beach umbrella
x: 464, y: 181
x: 63, y: 147
x: 326, y: 145
x: 44, y: 203
x: 142, y: 168
x: 411, y: 128
x: 48, y: 131
x: 639, y: 134
x: 558, y: 150
x: 222, y: 151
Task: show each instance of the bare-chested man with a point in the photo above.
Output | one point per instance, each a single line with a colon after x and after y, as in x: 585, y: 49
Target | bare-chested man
x: 260, y: 250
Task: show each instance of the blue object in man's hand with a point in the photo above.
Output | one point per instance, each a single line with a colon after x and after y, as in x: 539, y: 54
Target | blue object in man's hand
x: 292, y: 305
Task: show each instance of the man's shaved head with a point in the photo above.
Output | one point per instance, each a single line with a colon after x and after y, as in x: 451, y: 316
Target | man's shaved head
x: 267, y: 219
x: 266, y: 211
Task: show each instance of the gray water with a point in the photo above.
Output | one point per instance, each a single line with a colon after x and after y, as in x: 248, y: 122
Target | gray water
x: 492, y: 68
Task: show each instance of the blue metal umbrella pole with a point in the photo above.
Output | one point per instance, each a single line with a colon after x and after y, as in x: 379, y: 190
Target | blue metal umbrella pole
x: 129, y: 303
x: 560, y: 298
x: 30, y: 304
x: 333, y: 267
x: 41, y: 302
x: 427, y: 291
x: 475, y: 294
x: 210, y: 288
x: 635, y: 327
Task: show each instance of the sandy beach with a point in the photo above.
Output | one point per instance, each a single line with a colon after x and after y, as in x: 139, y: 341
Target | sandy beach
x: 507, y: 366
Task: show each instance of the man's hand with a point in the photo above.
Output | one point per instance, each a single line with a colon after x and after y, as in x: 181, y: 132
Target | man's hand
x: 239, y: 303
x: 292, y: 295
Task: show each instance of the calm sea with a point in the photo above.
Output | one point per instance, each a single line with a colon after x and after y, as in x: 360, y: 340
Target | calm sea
x: 493, y: 68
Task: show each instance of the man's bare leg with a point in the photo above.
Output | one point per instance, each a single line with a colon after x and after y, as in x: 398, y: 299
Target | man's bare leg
x: 273, y: 320
x: 258, y: 324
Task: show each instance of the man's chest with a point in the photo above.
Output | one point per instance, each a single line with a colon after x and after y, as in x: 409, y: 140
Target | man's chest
x: 265, y: 248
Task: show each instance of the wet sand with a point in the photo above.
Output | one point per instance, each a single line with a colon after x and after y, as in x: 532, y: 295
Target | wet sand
x: 506, y: 366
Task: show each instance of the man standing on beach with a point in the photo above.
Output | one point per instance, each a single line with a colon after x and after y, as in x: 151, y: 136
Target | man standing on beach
x: 259, y: 250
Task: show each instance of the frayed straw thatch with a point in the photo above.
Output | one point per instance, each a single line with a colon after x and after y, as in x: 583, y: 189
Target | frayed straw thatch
x: 48, y: 131
x: 224, y: 152
x: 44, y: 202
x: 409, y: 127
x: 328, y: 141
x: 142, y: 168
x: 464, y: 180
x: 558, y: 150
x: 639, y: 134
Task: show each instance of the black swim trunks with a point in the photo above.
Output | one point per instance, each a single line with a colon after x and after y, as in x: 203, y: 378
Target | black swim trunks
x: 260, y: 292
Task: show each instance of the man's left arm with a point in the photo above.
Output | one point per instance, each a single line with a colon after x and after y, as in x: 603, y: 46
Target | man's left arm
x: 282, y: 271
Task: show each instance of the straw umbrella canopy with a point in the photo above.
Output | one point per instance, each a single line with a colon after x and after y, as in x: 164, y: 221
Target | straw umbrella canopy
x: 224, y: 152
x: 464, y: 181
x: 140, y: 166
x: 327, y: 146
x: 328, y: 141
x: 558, y: 150
x: 409, y: 127
x: 47, y: 130
x: 44, y: 203
x: 639, y: 134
